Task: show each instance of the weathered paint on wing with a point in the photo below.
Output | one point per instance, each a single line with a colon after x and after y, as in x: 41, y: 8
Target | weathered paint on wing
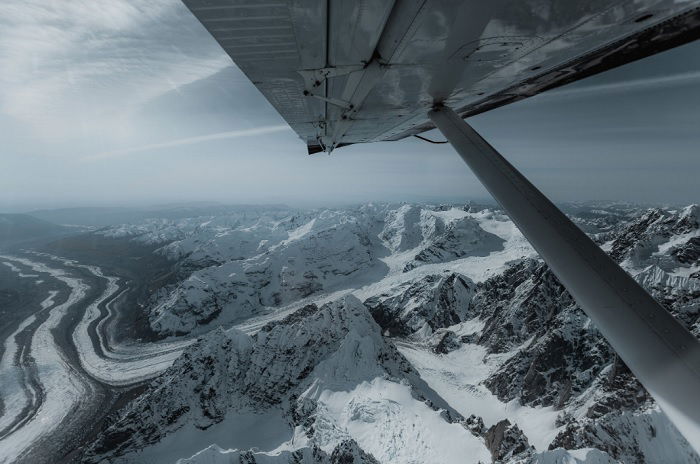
x: 352, y: 71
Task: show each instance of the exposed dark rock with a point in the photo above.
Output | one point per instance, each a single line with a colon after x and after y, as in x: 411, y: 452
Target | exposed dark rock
x: 632, y: 234
x: 348, y: 452
x: 689, y: 252
x: 475, y: 424
x: 448, y: 341
x: 520, y: 303
x: 506, y: 441
x: 435, y: 301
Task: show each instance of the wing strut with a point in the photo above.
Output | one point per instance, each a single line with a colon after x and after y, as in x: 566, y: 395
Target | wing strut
x: 663, y: 355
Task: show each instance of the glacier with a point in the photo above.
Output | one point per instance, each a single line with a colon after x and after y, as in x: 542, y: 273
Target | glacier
x: 390, y: 333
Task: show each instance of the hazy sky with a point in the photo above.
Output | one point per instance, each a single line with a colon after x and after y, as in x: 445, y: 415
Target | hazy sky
x: 132, y: 102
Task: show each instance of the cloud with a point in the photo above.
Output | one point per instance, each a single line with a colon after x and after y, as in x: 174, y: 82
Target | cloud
x: 686, y: 78
x: 71, y: 67
x: 191, y: 141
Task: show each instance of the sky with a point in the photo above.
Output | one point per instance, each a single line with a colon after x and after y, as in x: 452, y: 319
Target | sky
x: 128, y: 102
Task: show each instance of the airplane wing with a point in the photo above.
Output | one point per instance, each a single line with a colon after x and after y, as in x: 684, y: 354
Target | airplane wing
x: 353, y: 71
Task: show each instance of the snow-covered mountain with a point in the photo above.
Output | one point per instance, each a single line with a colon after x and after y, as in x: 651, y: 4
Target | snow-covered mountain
x: 318, y: 379
x: 233, y: 268
x: 398, y: 334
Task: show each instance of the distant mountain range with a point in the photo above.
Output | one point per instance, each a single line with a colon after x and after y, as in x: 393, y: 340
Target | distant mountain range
x: 19, y: 228
x: 380, y: 333
x: 397, y: 334
x: 107, y: 216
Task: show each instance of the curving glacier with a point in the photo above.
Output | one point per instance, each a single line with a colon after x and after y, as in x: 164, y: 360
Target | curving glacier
x: 380, y: 333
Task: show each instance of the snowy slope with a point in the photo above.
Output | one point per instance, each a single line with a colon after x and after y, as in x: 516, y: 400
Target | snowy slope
x: 399, y: 333
x: 327, y: 253
x: 324, y: 375
x: 232, y: 268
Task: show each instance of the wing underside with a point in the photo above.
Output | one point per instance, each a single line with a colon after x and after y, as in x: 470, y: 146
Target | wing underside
x: 354, y: 71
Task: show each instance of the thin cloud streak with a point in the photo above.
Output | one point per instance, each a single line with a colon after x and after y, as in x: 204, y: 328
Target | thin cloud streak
x: 70, y: 67
x: 190, y: 141
x: 627, y: 86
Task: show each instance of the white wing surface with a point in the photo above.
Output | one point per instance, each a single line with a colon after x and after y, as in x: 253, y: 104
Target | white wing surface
x: 352, y: 71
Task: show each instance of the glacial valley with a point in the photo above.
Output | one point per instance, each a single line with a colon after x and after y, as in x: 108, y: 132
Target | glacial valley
x: 381, y: 333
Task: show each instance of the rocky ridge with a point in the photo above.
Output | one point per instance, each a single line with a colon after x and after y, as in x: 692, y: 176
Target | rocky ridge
x: 332, y: 375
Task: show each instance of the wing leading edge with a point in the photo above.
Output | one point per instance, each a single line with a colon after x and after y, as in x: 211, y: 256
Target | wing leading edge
x: 355, y: 71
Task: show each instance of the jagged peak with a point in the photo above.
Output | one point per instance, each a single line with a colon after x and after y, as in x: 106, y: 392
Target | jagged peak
x: 690, y: 211
x: 340, y: 315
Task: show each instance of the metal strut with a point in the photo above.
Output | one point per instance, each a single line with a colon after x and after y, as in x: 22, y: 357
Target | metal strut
x: 663, y: 355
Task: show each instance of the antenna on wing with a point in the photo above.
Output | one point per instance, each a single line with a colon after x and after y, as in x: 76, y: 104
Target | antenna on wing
x: 426, y: 139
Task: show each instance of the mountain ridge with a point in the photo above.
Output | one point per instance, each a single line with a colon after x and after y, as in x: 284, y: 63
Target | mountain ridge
x: 484, y: 349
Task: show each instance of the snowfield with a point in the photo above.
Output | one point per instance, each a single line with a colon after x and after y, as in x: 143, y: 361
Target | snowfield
x: 503, y: 366
x: 374, y: 334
